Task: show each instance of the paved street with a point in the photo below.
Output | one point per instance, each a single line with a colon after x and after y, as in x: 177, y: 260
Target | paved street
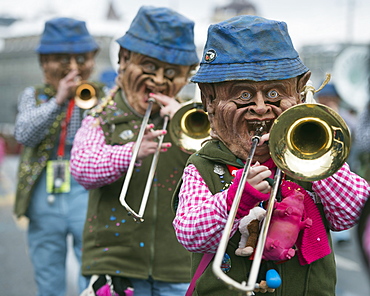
x: 16, y: 277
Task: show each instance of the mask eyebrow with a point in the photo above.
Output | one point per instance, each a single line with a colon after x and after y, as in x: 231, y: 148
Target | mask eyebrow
x: 236, y: 91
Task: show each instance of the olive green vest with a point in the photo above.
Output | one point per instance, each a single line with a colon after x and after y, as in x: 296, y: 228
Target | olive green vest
x: 113, y: 243
x: 33, y: 159
x: 316, y: 279
x: 364, y: 167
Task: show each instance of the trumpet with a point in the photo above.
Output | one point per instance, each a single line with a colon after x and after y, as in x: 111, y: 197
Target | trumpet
x: 188, y: 128
x: 308, y: 142
x: 85, y: 96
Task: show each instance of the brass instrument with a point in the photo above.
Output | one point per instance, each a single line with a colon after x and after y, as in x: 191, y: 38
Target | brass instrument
x: 85, y: 96
x: 308, y: 142
x: 188, y: 128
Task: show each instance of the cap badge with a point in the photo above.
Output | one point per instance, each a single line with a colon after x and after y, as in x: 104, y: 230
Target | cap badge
x: 210, y: 55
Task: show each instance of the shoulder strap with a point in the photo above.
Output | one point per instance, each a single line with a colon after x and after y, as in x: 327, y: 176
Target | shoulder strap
x: 206, y: 259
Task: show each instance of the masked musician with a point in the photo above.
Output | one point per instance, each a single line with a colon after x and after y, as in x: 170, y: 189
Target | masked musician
x: 46, y: 124
x: 156, y: 57
x: 250, y: 73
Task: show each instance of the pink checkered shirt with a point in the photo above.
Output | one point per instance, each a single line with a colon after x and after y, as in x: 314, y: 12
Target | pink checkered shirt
x: 93, y: 162
x: 201, y: 216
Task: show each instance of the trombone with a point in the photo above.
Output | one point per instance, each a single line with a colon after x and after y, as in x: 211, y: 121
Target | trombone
x: 188, y: 128
x: 308, y: 142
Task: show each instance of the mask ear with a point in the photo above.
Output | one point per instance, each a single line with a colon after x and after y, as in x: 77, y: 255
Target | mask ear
x: 123, y: 56
x: 207, y: 94
x: 42, y: 59
x: 302, y: 81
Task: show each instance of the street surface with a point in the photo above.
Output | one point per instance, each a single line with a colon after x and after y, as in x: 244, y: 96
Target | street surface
x: 16, y: 276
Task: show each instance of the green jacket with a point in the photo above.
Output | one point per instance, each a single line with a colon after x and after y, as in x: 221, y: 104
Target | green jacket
x: 113, y: 243
x: 33, y: 159
x: 316, y: 279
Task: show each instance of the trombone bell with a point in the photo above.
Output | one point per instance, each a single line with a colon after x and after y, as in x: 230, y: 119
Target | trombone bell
x: 309, y: 142
x: 85, y: 97
x: 190, y: 127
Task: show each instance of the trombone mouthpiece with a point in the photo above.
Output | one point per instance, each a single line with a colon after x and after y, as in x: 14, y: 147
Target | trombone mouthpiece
x: 257, y: 134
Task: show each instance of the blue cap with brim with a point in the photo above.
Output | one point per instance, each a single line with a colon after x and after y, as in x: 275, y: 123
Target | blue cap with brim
x: 163, y: 34
x: 66, y: 35
x: 248, y: 48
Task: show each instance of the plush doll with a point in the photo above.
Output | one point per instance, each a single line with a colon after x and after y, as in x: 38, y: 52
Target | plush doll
x: 249, y: 228
x: 286, y: 223
x: 106, y: 285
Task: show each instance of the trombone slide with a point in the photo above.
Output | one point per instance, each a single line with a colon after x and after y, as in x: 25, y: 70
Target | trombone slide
x: 139, y: 216
x: 216, y: 266
x: 263, y: 234
x: 251, y: 284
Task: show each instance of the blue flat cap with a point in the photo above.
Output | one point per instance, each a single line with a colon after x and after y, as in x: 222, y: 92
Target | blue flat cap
x: 66, y: 35
x: 248, y: 48
x: 163, y: 34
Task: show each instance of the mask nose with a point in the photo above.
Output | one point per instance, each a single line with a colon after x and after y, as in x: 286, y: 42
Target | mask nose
x: 158, y: 77
x: 260, y: 104
x: 73, y: 65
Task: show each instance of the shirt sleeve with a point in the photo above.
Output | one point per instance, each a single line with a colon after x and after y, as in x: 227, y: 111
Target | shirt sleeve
x: 201, y: 216
x: 343, y: 196
x: 33, y: 121
x: 93, y: 162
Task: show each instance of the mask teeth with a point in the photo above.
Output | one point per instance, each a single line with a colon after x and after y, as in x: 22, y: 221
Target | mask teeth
x: 258, y: 126
x: 259, y: 131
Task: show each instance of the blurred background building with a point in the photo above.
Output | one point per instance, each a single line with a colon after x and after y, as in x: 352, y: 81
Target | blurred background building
x: 233, y: 8
x: 19, y: 63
